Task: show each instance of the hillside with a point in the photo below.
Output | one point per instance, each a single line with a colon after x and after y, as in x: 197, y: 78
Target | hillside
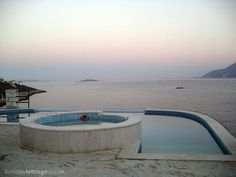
x: 229, y: 72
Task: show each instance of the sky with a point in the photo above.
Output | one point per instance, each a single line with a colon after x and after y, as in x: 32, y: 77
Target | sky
x: 115, y: 39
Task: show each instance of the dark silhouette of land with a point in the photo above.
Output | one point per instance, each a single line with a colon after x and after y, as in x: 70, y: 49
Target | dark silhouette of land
x: 229, y: 72
x: 88, y: 80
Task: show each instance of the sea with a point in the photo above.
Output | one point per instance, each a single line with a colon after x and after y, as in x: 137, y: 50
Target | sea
x: 213, y: 97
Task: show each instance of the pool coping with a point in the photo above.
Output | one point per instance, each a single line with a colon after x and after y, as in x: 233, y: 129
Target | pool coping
x: 227, y: 139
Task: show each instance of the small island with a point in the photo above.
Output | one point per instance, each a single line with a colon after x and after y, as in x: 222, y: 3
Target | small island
x: 179, y: 87
x: 88, y: 80
x: 229, y: 72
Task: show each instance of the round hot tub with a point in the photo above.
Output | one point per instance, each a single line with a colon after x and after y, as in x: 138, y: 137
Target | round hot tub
x: 77, y: 132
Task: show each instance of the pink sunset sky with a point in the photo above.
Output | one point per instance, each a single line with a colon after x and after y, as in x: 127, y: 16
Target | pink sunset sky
x: 115, y: 39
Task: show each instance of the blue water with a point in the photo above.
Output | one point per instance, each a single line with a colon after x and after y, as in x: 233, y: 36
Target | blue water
x: 164, y: 134
x: 75, y: 119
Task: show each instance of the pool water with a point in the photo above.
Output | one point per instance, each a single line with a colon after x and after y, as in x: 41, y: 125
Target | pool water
x: 75, y: 122
x: 175, y: 135
x: 69, y: 119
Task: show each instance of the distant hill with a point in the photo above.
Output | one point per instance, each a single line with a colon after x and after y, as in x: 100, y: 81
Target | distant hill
x: 229, y: 72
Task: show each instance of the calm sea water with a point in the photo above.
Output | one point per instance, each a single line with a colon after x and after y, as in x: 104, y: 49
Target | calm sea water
x: 215, y: 97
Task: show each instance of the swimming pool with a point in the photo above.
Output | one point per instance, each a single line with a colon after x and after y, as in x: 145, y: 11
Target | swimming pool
x: 154, y: 131
x: 165, y: 136
x: 175, y: 135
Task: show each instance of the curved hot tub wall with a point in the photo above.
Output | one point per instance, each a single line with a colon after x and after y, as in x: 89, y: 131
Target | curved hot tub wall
x: 80, y: 138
